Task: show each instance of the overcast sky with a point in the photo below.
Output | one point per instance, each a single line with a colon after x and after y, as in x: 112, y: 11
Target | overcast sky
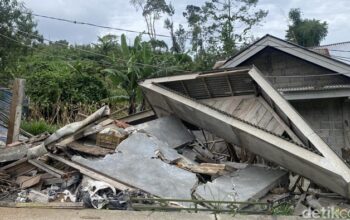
x: 119, y: 13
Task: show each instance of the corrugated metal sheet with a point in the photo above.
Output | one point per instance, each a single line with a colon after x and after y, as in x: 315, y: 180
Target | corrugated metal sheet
x: 313, y: 88
x: 5, y: 104
x: 5, y: 100
x: 338, y: 51
x: 214, y: 86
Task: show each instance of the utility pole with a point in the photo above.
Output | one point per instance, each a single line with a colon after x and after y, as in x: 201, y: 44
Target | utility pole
x: 15, y: 111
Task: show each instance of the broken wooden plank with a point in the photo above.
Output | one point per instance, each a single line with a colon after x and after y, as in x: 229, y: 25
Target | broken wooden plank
x: 92, y: 150
x: 138, y: 118
x: 25, y: 182
x: 110, y: 138
x: 20, y: 169
x: 81, y: 116
x: 47, y: 168
x: 17, y: 162
x: 211, y: 168
x: 92, y: 174
x: 72, y: 130
x: 15, y: 111
x: 85, y: 131
x: 37, y: 138
x: 203, y: 153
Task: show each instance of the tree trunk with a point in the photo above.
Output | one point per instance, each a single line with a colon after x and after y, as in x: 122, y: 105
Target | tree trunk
x: 132, y: 104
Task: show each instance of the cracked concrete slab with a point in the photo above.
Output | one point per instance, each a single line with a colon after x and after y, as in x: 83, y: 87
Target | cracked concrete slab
x: 241, y: 185
x: 169, y: 130
x: 150, y: 175
x: 143, y: 144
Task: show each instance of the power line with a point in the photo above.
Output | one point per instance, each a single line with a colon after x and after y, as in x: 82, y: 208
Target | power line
x: 341, y: 58
x: 133, y: 31
x: 29, y: 46
x: 285, y: 76
x: 99, y: 54
x: 344, y: 58
x: 306, y: 76
x: 90, y: 52
x: 94, y: 25
x: 143, y: 33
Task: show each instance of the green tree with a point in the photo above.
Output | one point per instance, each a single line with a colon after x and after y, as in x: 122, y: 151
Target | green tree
x: 152, y: 10
x: 228, y: 15
x: 305, y: 32
x: 107, y: 44
x: 137, y: 65
x: 169, y: 24
x: 196, y: 19
x: 217, y: 26
x: 140, y: 61
x: 13, y: 19
x: 181, y: 38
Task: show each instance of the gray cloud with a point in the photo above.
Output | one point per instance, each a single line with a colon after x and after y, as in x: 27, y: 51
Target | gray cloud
x: 119, y: 13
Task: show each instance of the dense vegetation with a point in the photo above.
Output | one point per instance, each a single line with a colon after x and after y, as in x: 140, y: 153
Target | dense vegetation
x: 63, y: 78
x: 305, y: 32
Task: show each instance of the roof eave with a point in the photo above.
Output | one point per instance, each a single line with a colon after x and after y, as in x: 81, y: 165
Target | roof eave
x: 292, y: 49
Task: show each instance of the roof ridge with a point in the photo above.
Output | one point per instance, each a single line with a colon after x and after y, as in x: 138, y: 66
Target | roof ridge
x: 333, y: 44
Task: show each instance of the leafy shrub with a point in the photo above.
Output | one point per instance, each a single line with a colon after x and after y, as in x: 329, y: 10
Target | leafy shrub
x: 52, y: 85
x: 38, y: 127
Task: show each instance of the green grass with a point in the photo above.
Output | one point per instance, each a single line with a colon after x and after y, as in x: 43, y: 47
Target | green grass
x: 38, y: 127
x: 283, y: 209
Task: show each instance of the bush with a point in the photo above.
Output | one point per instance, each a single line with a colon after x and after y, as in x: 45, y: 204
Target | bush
x: 38, y: 127
x: 47, y: 88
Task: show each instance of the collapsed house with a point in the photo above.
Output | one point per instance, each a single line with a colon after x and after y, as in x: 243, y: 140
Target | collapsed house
x: 241, y: 107
x: 255, y: 131
x: 317, y: 86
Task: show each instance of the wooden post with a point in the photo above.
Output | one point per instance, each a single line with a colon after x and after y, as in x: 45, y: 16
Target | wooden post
x: 15, y: 111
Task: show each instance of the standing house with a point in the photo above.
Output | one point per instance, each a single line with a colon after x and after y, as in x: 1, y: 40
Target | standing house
x: 317, y: 85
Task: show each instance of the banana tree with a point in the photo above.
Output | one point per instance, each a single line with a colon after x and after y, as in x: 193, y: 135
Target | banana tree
x: 135, y: 63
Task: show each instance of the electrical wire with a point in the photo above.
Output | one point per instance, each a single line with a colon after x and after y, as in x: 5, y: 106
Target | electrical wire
x: 98, y: 54
x: 281, y: 76
x: 149, y: 65
x: 30, y: 46
x: 139, y: 32
x: 306, y: 76
x: 87, y: 51
x: 94, y: 25
x: 339, y: 57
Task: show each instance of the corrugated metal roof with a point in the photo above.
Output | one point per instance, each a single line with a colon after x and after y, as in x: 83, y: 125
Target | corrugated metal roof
x: 312, y: 88
x: 5, y: 103
x: 338, y: 51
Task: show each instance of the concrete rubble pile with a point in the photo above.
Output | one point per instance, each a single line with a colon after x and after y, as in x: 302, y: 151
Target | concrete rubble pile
x: 101, y: 163
x: 184, y: 155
